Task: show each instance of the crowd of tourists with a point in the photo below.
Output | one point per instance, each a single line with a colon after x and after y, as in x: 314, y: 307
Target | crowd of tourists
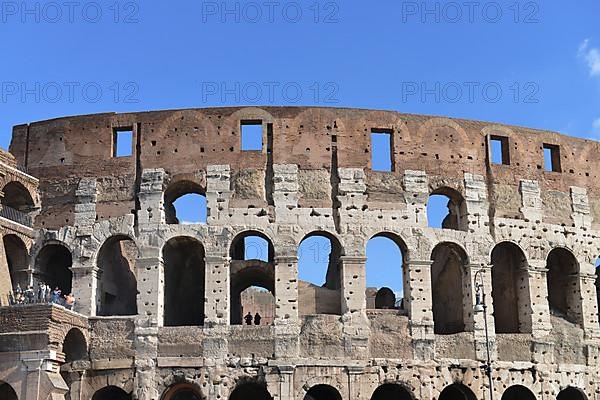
x: 43, y: 294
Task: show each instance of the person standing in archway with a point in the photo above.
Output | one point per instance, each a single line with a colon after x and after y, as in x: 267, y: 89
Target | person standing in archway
x: 257, y: 319
x: 248, y: 318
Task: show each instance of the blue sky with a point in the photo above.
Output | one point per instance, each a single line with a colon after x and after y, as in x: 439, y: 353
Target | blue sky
x: 526, y: 63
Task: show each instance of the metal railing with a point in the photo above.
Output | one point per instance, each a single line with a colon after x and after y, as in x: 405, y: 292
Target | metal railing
x: 16, y: 216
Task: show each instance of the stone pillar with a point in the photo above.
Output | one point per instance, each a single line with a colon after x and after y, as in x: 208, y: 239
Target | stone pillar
x: 416, y: 194
x: 356, y: 328
x: 285, y: 192
x: 287, y: 323
x: 531, y: 200
x: 85, y: 285
x: 146, y: 347
x: 286, y: 382
x: 418, y: 302
x: 476, y: 197
x: 218, y: 191
x: 151, y: 198
x: 589, y: 302
x: 355, y: 374
x: 477, y: 320
x: 216, y: 288
x: 580, y: 204
x: 541, y: 324
x: 85, y: 203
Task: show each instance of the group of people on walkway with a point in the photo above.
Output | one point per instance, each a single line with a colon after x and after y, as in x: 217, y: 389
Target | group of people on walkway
x: 44, y: 294
x: 248, y: 318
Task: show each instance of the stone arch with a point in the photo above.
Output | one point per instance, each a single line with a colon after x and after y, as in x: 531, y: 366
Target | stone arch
x: 322, y: 392
x: 111, y: 393
x: 237, y: 249
x: 392, y: 391
x: 17, y: 259
x: 315, y: 298
x: 74, y: 346
x: 457, y: 391
x: 447, y: 284
x: 571, y: 393
x: 564, y: 291
x: 7, y: 392
x: 456, y: 217
x: 53, y: 266
x: 510, y: 289
x: 176, y: 191
x: 18, y: 197
x: 250, y: 390
x: 518, y: 392
x: 184, y: 271
x: 117, y: 283
x: 247, y: 274
x: 183, y: 391
x: 385, y: 296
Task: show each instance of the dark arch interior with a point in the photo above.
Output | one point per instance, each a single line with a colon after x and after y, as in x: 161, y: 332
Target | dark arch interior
x: 517, y: 392
x: 7, y: 392
x: 183, y: 392
x: 446, y: 209
x: 195, y: 198
x: 385, y: 299
x: 509, y: 288
x: 248, y: 274
x: 111, y: 393
x: 17, y: 259
x: 570, y: 393
x: 457, y: 391
x: 391, y: 391
x: 447, y: 288
x: 117, y: 286
x: 18, y: 197
x: 563, y: 285
x: 53, y: 264
x: 75, y: 346
x: 183, y: 259
x: 323, y: 392
x: 250, y: 391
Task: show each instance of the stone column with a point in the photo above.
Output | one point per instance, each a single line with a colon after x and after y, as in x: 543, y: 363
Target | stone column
x: 541, y: 325
x: 355, y: 374
x: 286, y: 382
x: 418, y: 303
x: 356, y: 328
x: 589, y: 301
x: 85, y: 284
x: 476, y: 198
x: 287, y: 323
x: 216, y: 288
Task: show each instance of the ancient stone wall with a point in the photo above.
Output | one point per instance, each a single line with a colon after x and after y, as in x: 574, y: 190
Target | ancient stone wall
x: 525, y: 237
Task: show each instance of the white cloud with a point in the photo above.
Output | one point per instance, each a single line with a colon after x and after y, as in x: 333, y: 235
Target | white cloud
x: 591, y: 55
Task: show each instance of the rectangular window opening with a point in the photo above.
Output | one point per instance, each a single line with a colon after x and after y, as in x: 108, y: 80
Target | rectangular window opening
x: 381, y: 150
x: 499, y: 150
x: 552, y: 158
x: 123, y: 142
x: 252, y: 135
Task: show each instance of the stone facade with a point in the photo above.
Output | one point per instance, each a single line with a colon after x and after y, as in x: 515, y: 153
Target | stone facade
x: 157, y: 303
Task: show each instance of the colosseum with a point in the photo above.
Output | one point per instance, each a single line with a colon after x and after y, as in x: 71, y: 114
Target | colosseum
x: 499, y: 303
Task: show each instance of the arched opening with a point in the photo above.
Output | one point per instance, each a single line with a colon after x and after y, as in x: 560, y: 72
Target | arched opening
x: 319, y: 286
x: 446, y: 209
x: 252, y: 273
x: 457, y: 391
x: 447, y: 275
x: 7, y: 392
x: 260, y: 301
x: 250, y: 391
x: 183, y: 391
x: 185, y: 203
x: 571, y: 393
x: 323, y: 392
x: 564, y: 292
x: 183, y: 259
x: 111, y: 393
x: 518, y: 392
x: 53, y: 267
x: 385, y: 274
x: 391, y: 391
x: 17, y: 197
x: 510, y: 289
x: 75, y: 346
x: 117, y: 283
x: 17, y: 260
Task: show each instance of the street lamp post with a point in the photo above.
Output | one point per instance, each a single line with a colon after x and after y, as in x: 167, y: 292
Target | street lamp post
x: 481, y: 306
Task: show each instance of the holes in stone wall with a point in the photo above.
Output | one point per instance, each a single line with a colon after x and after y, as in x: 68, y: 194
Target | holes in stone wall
x: 319, y: 273
x: 385, y: 254
x: 251, y: 135
x: 448, y: 293
x: 551, y: 157
x: 446, y: 209
x: 499, y: 150
x: 117, y: 286
x: 382, y: 150
x: 123, y: 142
x: 510, y: 289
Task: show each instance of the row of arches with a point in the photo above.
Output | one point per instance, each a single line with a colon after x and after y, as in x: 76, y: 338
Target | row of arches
x: 252, y: 268
x: 389, y: 391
